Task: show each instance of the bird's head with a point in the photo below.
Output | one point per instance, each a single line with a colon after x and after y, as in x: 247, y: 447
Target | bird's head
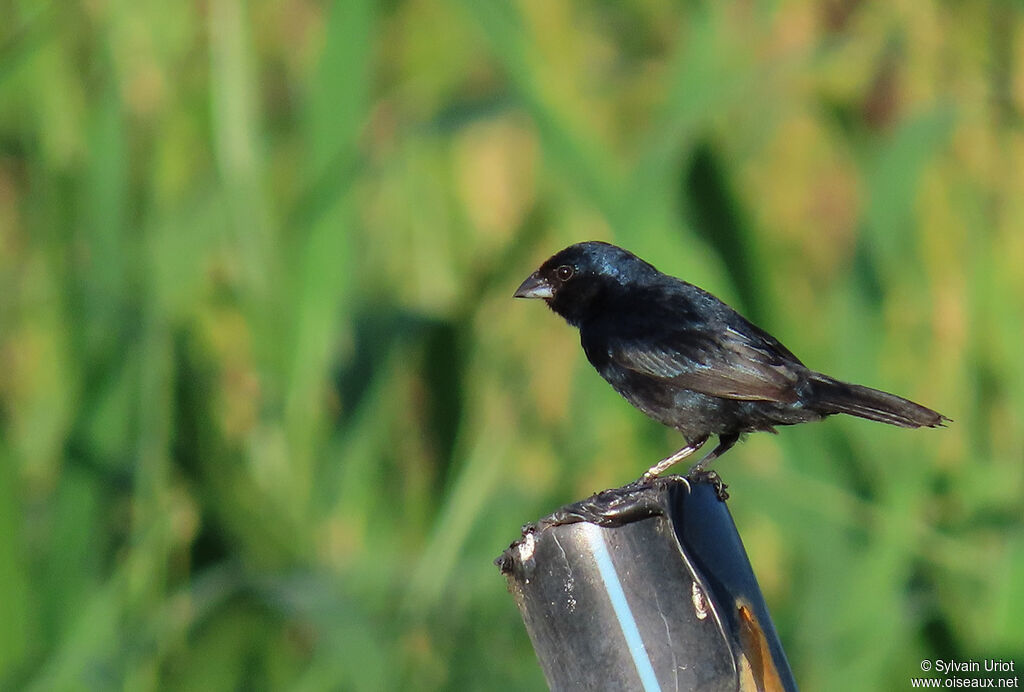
x: 577, y: 282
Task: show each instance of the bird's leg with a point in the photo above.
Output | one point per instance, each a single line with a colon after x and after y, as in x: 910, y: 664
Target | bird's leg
x: 663, y: 465
x: 725, y: 442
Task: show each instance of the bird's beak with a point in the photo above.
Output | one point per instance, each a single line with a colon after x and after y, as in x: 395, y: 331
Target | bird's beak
x: 535, y: 286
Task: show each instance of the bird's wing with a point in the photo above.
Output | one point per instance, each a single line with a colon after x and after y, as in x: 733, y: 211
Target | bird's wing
x: 725, y: 363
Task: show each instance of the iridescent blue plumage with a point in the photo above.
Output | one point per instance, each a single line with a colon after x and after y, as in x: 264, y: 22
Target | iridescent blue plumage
x: 688, y: 360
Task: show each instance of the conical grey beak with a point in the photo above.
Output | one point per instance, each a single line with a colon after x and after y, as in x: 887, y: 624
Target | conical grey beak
x: 535, y: 286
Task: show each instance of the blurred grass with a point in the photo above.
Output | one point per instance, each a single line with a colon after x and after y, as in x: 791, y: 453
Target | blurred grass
x: 267, y: 411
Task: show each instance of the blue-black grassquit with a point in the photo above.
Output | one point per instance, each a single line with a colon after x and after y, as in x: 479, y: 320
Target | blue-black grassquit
x: 688, y: 360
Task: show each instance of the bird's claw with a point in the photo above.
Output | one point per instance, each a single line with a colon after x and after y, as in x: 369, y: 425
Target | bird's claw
x: 700, y: 475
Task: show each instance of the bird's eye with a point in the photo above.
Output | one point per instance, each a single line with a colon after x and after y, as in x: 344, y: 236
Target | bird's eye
x: 565, y: 272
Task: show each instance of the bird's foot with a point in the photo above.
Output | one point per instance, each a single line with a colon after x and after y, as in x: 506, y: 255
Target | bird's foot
x: 648, y: 479
x: 698, y: 474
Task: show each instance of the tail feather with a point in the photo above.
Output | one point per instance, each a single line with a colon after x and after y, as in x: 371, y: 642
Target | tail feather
x: 832, y: 396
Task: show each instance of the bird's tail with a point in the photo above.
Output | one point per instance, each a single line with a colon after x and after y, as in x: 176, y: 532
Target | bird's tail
x: 832, y: 396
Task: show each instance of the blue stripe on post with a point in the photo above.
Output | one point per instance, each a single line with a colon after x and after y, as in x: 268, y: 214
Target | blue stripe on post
x: 613, y: 587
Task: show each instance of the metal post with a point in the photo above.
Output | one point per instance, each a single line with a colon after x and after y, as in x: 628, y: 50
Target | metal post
x: 645, y: 587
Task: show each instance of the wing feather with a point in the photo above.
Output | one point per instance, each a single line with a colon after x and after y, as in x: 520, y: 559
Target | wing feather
x: 725, y: 363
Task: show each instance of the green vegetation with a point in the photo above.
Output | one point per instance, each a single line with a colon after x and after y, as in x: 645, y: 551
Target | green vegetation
x: 268, y: 410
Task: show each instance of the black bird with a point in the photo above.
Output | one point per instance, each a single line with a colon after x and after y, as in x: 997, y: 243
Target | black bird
x: 688, y: 360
